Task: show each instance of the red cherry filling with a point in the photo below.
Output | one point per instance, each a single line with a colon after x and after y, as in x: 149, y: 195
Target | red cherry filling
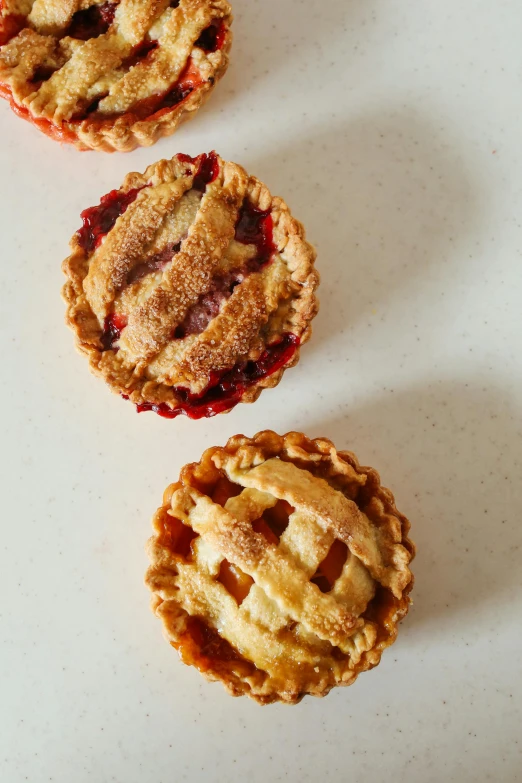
x: 55, y: 132
x: 153, y: 264
x: 213, y: 37
x: 157, y: 105
x: 112, y: 328
x: 207, y: 172
x: 254, y: 227
x: 139, y: 53
x: 226, y: 389
x: 98, y: 221
x: 10, y: 26
x: 208, y: 168
x: 41, y: 75
x: 208, y: 305
x: 149, y: 107
x: 91, y: 22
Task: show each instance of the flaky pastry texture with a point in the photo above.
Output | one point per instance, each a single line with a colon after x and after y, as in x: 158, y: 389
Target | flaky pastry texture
x: 279, y: 566
x: 198, y: 294
x: 111, y: 76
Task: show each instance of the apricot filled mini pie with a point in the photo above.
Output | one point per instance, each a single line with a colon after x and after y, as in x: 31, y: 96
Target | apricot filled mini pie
x: 279, y: 566
x: 190, y: 288
x: 111, y: 75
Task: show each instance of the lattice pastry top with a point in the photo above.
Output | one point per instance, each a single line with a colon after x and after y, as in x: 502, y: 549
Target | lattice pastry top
x: 111, y: 75
x: 280, y: 566
x: 191, y: 288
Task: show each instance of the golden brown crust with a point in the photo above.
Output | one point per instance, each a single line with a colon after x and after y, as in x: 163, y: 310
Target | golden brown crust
x: 284, y: 636
x: 91, y: 89
x: 150, y: 361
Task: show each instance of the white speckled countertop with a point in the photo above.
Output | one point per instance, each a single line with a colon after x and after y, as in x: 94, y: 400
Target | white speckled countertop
x: 393, y: 129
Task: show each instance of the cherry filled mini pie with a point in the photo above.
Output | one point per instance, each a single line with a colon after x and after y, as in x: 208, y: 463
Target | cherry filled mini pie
x: 279, y: 566
x: 191, y: 288
x: 111, y: 75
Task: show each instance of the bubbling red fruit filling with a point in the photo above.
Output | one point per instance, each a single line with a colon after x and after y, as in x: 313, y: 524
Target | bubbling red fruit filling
x: 10, y: 26
x: 91, y: 22
x: 140, y: 52
x: 253, y: 227
x: 213, y: 37
x: 98, y: 221
x: 226, y: 389
x: 153, y: 264
x: 112, y: 329
x: 207, y: 172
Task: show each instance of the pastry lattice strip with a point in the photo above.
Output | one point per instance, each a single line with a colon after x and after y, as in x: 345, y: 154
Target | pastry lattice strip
x: 274, y: 605
x: 60, y: 79
x: 168, y: 213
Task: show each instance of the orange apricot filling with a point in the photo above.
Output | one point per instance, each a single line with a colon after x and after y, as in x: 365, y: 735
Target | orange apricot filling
x: 224, y: 490
x: 235, y: 581
x: 331, y: 567
x: 274, y: 521
x: 176, y: 536
x: 203, y: 647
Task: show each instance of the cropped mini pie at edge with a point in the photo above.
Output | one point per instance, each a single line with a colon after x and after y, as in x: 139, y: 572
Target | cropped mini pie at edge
x: 279, y: 566
x: 111, y: 75
x: 190, y: 288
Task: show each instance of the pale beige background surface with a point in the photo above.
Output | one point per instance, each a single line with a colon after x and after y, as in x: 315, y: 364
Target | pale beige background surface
x: 393, y: 129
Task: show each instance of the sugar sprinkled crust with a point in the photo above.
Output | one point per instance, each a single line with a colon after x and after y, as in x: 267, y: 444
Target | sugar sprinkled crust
x: 250, y: 608
x: 196, y: 297
x: 111, y: 75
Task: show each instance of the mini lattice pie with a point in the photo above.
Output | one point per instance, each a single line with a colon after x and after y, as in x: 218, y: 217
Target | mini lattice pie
x: 191, y: 288
x: 111, y: 75
x: 280, y: 566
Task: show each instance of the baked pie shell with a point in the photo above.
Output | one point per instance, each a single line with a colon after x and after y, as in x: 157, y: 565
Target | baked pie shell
x: 299, y: 255
x: 306, y: 453
x: 125, y: 133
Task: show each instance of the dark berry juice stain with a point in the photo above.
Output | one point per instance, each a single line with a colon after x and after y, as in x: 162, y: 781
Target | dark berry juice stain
x: 112, y: 329
x: 89, y: 109
x: 176, y: 95
x: 42, y: 74
x: 207, y: 171
x: 91, y: 22
x: 153, y: 264
x: 139, y: 53
x: 10, y: 25
x: 226, y: 389
x: 163, y: 102
x: 213, y: 37
x: 98, y: 221
x: 255, y: 227
x: 208, y: 305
